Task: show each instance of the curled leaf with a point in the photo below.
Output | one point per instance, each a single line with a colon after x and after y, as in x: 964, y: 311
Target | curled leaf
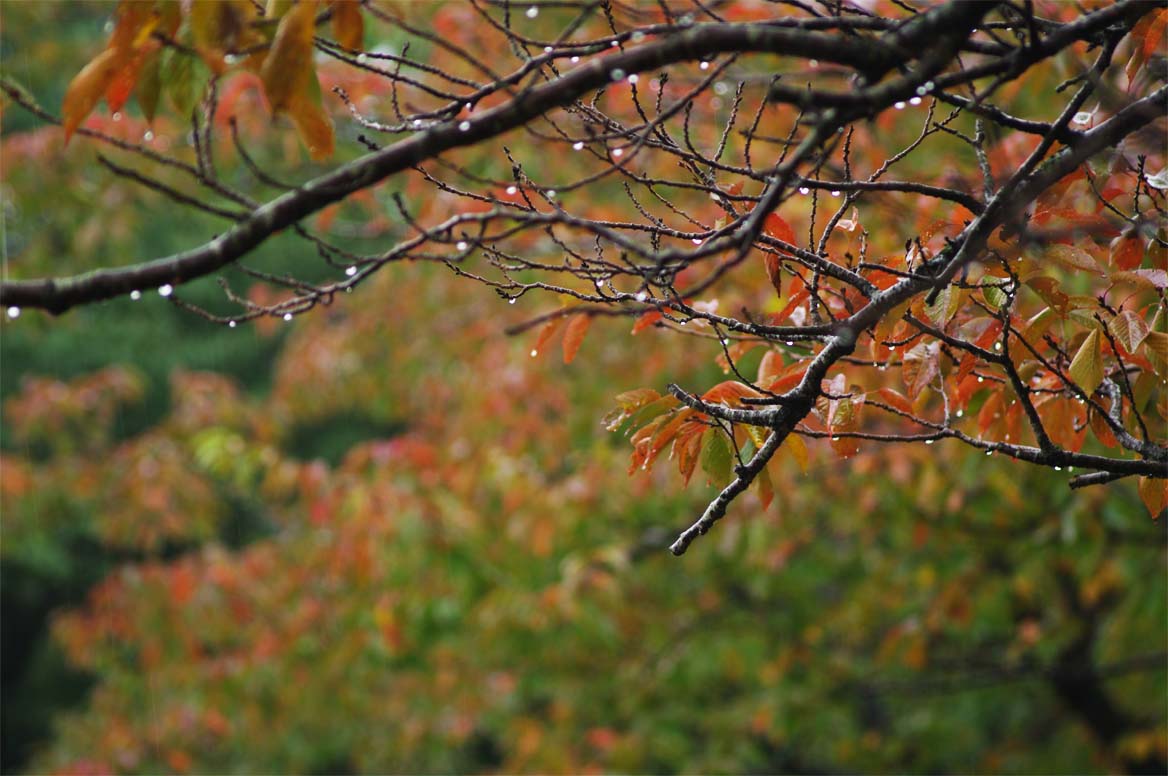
x: 1087, y: 366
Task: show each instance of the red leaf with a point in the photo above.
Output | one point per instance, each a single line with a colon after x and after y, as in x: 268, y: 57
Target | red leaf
x: 1127, y: 252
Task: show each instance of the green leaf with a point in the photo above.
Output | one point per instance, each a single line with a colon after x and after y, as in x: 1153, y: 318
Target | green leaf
x: 1087, y: 366
x: 149, y: 86
x: 994, y: 295
x: 717, y: 458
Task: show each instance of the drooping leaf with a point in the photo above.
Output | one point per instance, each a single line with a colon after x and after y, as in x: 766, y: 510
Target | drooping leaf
x: 348, y: 24
x: 88, y: 86
x: 545, y: 334
x: 717, y: 458
x: 574, y: 335
x: 149, y: 86
x: 774, y: 226
x: 766, y: 489
x: 313, y: 125
x: 798, y: 449
x: 1154, y: 494
x: 1087, y: 366
x: 288, y: 68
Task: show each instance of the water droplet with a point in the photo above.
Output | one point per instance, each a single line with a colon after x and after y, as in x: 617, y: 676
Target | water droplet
x: 697, y: 241
x: 616, y: 74
x: 899, y: 106
x: 166, y: 289
x: 614, y: 44
x: 578, y: 145
x: 960, y: 413
x: 287, y: 316
x: 637, y: 36
x: 350, y: 271
x: 928, y: 87
x: 231, y: 324
x: 547, y: 49
x: 512, y: 190
x: 511, y: 300
x: 532, y: 12
x: 835, y: 439
x: 686, y: 20
x: 551, y: 193
x: 462, y: 246
x: 135, y: 295
x: 417, y: 123
x: 721, y: 87
x: 835, y: 193
x: 997, y: 346
x: 534, y: 353
x: 641, y: 296
x: 981, y: 379
x: 915, y: 101
x: 117, y: 116
x: 362, y: 59
x: 148, y: 136
x: 230, y: 59
x: 929, y: 441
x: 1058, y: 468
x: 464, y: 126
x: 574, y: 60
x: 634, y: 78
x: 13, y: 312
x: 989, y: 452
x: 618, y: 153
x: 804, y: 190
x: 1082, y: 117
x: 704, y: 66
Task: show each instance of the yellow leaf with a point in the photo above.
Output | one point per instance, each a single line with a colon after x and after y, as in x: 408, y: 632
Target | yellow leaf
x: 1087, y: 365
x: 88, y: 86
x: 288, y: 67
x: 798, y: 449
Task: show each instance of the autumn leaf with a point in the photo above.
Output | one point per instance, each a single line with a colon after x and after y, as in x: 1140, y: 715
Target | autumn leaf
x: 774, y: 226
x: 798, y: 449
x: 287, y: 70
x: 574, y: 335
x: 766, y: 490
x: 1154, y: 494
x: 545, y: 334
x: 1127, y: 252
x: 348, y: 24
x: 1129, y: 329
x: 88, y: 86
x: 1087, y: 366
x: 314, y: 127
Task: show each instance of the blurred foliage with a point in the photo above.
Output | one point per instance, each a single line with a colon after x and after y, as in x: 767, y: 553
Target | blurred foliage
x: 383, y: 538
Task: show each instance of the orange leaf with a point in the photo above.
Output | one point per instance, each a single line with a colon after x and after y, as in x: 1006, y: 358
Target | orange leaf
x: 545, y: 334
x: 646, y: 320
x: 88, y: 86
x: 895, y: 399
x: 314, y: 127
x: 1154, y: 494
x: 574, y: 335
x: 348, y: 24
